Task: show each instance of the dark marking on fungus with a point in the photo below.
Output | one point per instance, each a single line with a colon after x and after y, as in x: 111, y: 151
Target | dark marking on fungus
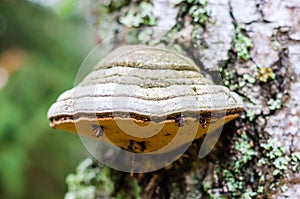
x: 142, y: 145
x: 194, y: 89
x: 97, y: 130
x: 180, y: 120
x: 202, y: 121
x: 130, y: 145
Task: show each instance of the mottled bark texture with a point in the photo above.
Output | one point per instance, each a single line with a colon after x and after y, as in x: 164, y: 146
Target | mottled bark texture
x: 256, y: 46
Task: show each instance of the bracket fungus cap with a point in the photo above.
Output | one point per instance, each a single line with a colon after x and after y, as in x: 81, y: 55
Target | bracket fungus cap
x: 135, y: 87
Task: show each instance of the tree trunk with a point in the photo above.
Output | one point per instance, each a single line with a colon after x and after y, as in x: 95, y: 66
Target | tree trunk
x: 254, y: 46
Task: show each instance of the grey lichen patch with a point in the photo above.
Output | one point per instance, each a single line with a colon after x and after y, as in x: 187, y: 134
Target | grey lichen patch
x: 244, y: 11
x: 280, y: 13
x: 217, y: 38
x: 264, y: 53
x: 168, y: 20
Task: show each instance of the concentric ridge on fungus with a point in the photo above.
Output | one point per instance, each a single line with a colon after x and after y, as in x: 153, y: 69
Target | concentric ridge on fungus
x: 141, y: 85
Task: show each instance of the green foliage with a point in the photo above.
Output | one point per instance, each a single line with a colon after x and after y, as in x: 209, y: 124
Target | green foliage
x: 113, y: 5
x: 134, y: 191
x: 34, y: 159
x: 66, y: 7
x: 241, y: 44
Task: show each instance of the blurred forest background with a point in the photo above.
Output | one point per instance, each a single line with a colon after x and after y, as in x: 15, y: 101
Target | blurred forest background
x: 41, y: 47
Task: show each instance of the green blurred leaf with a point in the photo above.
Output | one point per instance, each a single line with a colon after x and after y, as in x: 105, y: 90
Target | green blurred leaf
x: 66, y: 7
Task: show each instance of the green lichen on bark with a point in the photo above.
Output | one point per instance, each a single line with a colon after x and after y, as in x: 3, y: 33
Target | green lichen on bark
x: 256, y: 171
x: 89, y: 181
x: 92, y: 181
x: 122, y: 16
x: 257, y: 165
x: 196, y: 9
x: 196, y: 12
x: 241, y: 43
x: 138, y: 15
